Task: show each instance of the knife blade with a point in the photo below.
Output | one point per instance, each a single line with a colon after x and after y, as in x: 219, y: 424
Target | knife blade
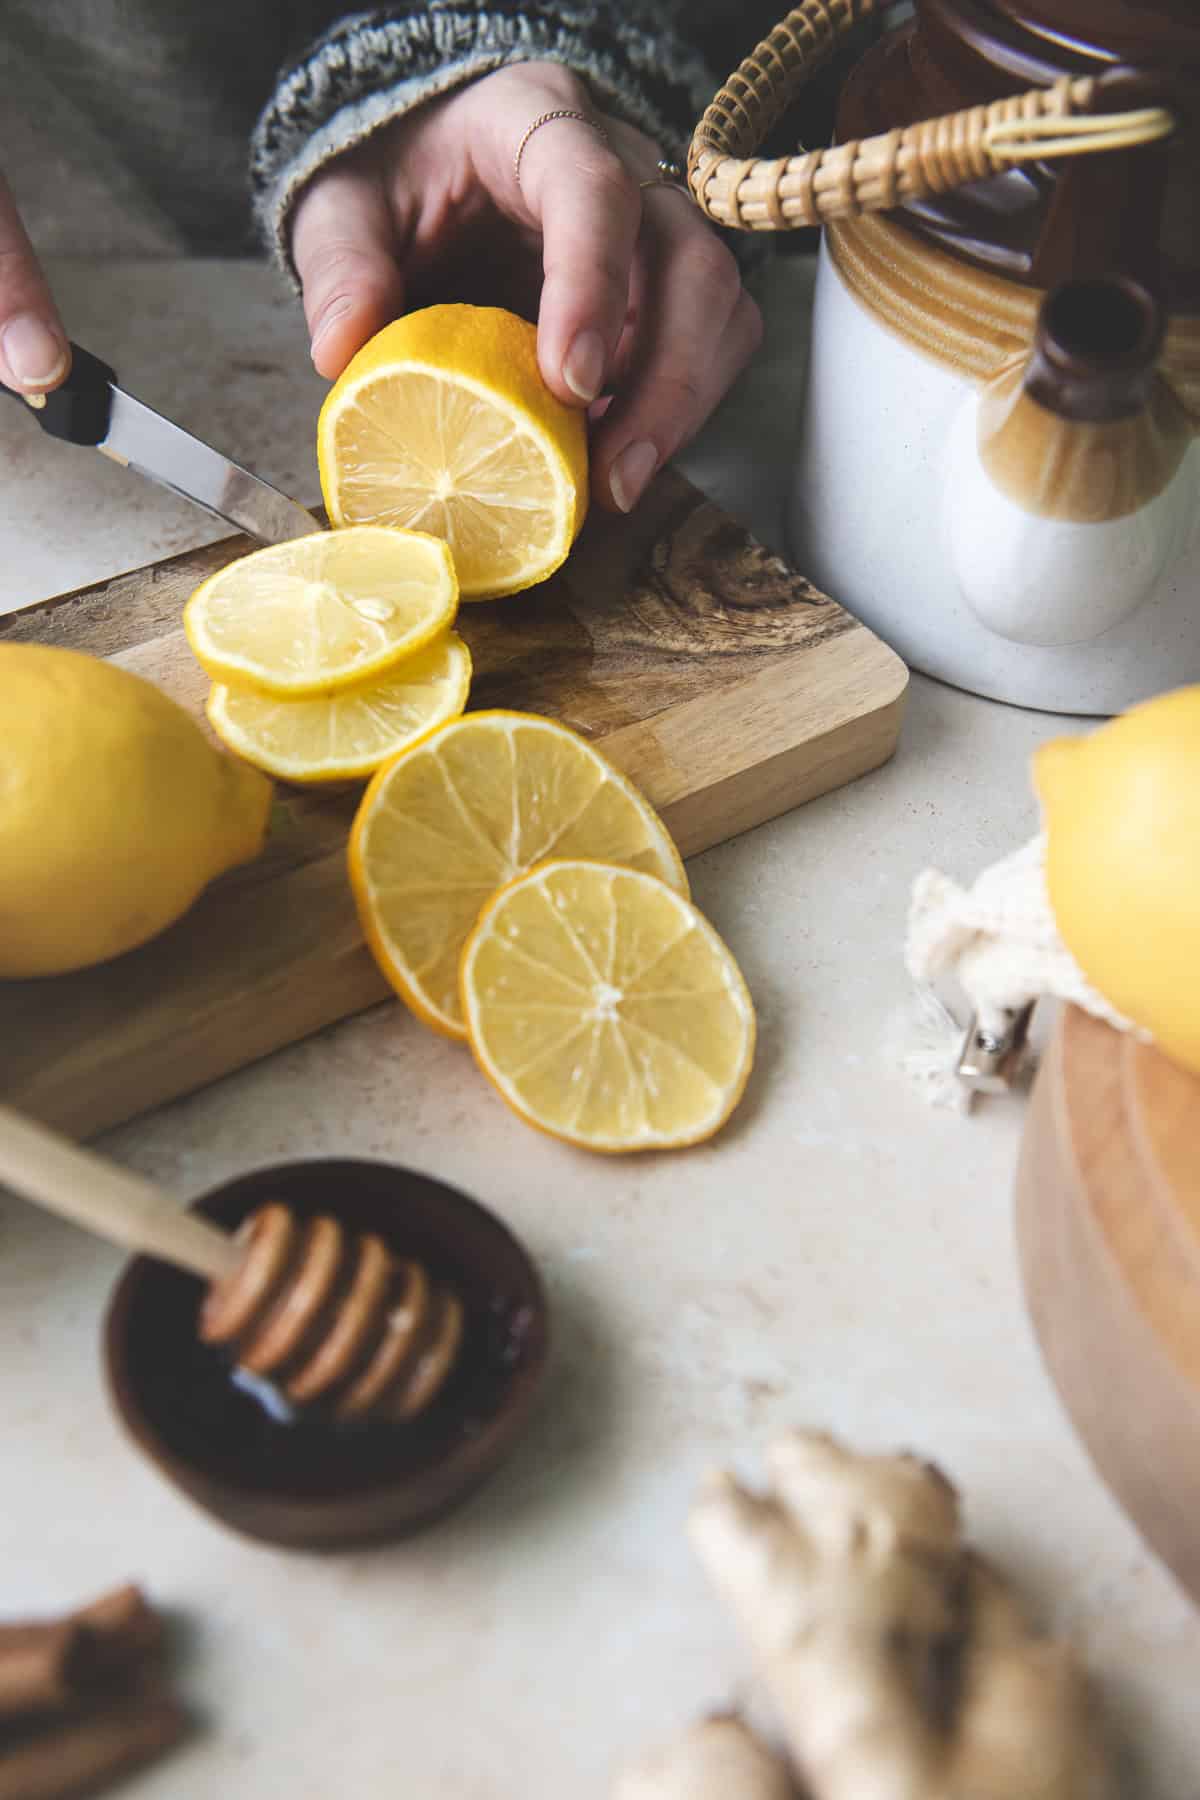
x: 90, y: 408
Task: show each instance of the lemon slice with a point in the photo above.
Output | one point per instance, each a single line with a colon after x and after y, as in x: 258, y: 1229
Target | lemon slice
x: 442, y: 423
x: 606, y: 1010
x: 349, y: 733
x: 473, y: 805
x: 322, y: 612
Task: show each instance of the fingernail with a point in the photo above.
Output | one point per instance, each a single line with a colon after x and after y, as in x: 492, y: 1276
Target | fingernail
x: 33, y: 352
x: 583, y: 365
x: 630, y: 473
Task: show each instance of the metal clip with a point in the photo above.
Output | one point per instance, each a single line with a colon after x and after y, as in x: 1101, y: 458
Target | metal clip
x: 988, y: 1059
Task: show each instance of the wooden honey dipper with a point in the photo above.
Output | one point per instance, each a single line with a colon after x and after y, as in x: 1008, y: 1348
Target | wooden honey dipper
x: 331, y: 1320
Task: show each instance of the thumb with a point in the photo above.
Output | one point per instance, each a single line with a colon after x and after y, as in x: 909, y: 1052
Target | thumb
x: 342, y: 246
x: 34, y: 352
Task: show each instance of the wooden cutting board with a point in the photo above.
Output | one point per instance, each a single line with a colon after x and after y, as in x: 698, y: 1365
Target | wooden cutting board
x: 1108, y: 1228
x: 714, y: 675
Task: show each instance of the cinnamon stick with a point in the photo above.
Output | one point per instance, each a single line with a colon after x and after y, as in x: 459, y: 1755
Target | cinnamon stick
x: 82, y: 1698
x: 80, y: 1754
x: 46, y: 1666
x: 36, y: 1667
x: 121, y: 1634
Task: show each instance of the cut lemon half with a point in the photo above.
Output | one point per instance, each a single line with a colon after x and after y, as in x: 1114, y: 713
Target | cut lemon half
x: 322, y: 612
x: 347, y: 734
x: 472, y: 806
x: 442, y: 423
x: 606, y: 1010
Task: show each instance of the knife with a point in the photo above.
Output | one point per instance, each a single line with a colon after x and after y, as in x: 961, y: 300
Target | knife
x: 90, y: 408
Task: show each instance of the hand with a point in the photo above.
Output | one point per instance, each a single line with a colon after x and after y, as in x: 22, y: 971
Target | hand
x: 632, y: 291
x: 34, y: 352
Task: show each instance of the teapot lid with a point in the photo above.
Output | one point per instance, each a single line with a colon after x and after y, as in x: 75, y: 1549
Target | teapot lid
x: 1131, y: 213
x: 1139, y: 30
x: 1067, y: 36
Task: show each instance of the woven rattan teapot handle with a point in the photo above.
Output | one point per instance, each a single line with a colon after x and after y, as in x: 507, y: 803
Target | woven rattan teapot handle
x: 735, y: 188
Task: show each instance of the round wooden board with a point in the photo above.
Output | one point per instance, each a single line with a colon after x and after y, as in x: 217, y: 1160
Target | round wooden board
x: 1108, y: 1233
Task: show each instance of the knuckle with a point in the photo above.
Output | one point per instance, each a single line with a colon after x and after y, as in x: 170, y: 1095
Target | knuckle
x: 332, y: 261
x: 594, y: 178
x: 17, y: 268
x: 603, y: 168
x: 22, y: 287
x: 564, y: 87
x: 678, y: 394
x: 546, y: 83
x: 601, y: 273
x: 708, y: 262
x: 336, y: 270
x: 748, y: 321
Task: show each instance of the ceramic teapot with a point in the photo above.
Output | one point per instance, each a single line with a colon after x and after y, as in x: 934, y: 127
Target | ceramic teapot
x: 997, y: 467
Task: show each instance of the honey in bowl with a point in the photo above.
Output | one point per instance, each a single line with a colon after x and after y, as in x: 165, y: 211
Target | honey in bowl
x: 302, y: 1480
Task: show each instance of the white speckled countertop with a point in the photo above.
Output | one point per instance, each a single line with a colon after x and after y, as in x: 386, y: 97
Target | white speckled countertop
x: 842, y: 1256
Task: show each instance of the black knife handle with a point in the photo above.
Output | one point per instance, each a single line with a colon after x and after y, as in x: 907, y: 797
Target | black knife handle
x: 78, y: 410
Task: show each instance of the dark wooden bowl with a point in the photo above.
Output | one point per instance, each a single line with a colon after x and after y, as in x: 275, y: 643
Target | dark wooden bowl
x: 310, y: 1485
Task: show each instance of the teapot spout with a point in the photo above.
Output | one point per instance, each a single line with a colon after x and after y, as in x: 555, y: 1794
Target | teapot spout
x: 1087, y: 430
x: 1061, y: 503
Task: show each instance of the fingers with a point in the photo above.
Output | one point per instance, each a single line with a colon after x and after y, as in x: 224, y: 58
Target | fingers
x: 694, y: 331
x: 343, y: 245
x: 34, y: 352
x: 636, y: 289
x: 588, y: 208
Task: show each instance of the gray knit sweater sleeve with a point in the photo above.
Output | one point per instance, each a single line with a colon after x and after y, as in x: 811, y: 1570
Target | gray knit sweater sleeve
x: 373, y: 67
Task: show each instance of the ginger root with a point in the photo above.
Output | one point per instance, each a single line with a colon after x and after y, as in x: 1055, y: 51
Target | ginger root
x: 715, y: 1759
x: 900, y: 1666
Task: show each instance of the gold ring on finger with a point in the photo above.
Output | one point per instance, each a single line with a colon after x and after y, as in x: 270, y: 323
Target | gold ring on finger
x: 669, y: 175
x: 548, y: 118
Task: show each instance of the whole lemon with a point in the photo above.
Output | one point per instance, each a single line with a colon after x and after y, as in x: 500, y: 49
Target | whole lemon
x: 115, y: 810
x: 1122, y: 817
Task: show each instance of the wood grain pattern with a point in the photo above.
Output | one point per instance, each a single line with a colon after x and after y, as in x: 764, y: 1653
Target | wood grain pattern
x: 713, y: 674
x: 1108, y: 1229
